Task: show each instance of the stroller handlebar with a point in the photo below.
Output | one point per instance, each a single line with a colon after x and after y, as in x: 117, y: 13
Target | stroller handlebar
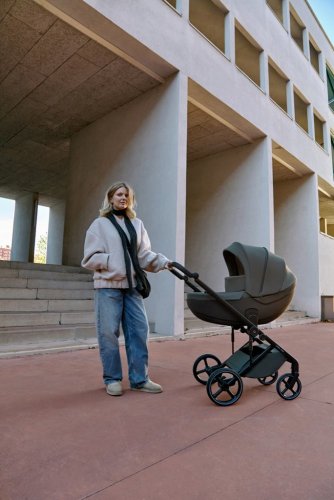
x: 185, y: 276
x: 185, y: 271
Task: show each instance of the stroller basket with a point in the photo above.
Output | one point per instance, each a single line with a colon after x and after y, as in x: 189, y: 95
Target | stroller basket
x: 258, y: 290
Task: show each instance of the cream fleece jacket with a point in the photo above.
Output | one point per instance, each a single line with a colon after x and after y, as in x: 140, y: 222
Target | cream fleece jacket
x: 103, y: 253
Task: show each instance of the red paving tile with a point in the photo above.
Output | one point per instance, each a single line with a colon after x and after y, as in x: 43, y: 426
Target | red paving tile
x: 64, y: 438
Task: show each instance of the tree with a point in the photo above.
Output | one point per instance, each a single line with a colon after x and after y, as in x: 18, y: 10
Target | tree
x: 40, y: 249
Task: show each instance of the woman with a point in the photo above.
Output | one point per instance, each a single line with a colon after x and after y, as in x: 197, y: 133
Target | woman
x: 107, y: 252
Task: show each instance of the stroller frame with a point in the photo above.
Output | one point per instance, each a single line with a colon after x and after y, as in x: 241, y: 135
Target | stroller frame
x: 259, y: 358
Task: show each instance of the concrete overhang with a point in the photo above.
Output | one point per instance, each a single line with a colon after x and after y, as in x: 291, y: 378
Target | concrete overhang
x: 56, y: 77
x: 286, y: 166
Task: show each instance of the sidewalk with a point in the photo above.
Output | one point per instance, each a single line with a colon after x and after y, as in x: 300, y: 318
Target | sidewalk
x: 63, y: 438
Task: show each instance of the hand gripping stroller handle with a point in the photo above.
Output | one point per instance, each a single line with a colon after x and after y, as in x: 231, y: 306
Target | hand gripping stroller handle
x: 185, y: 276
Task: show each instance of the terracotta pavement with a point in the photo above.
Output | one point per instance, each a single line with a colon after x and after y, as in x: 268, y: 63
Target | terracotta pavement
x: 64, y: 438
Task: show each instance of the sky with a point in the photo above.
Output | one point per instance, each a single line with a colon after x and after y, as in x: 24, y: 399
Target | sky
x: 6, y: 221
x: 323, y: 9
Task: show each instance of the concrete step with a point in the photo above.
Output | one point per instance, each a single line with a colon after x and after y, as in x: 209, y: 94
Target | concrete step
x: 44, y: 275
x: 54, y: 293
x: 45, y: 293
x: 45, y: 283
x: 18, y: 293
x: 30, y: 319
x: 22, y: 336
x: 42, y: 267
x: 12, y: 305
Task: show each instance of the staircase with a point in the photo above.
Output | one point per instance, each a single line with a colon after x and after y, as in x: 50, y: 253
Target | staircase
x: 46, y: 304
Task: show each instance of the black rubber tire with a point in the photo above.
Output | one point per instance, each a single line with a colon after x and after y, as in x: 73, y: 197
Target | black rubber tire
x: 287, y: 390
x: 207, y: 367
x: 224, y: 387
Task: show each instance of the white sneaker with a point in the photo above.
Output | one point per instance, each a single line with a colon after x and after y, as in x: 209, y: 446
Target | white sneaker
x: 149, y: 386
x: 114, y: 388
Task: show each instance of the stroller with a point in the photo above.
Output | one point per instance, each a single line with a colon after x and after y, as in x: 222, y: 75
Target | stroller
x: 258, y: 290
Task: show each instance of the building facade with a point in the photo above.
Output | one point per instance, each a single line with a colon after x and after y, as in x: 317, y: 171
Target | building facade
x: 5, y: 253
x: 220, y: 116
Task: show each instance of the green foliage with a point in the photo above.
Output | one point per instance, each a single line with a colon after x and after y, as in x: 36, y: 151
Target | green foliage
x: 40, y: 249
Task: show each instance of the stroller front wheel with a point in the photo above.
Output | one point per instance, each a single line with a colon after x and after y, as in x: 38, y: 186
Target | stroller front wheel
x: 224, y: 387
x: 287, y: 387
x: 204, y: 366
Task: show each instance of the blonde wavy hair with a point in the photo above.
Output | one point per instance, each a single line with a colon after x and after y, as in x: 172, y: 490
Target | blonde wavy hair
x: 106, y: 207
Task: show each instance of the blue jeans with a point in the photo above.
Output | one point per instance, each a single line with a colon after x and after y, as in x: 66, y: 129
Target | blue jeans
x: 115, y: 307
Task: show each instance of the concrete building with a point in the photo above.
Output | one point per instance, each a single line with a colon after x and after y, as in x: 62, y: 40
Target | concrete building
x: 220, y: 115
x: 5, y: 253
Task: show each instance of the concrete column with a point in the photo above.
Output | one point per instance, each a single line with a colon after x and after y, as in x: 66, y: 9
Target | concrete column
x: 326, y: 135
x: 322, y: 66
x: 306, y: 44
x: 323, y: 225
x: 56, y: 233
x: 290, y: 100
x: 296, y: 238
x: 230, y: 37
x: 264, y: 72
x: 182, y: 6
x: 286, y: 15
x: 24, y: 228
x: 310, y: 121
x: 229, y: 198
x: 144, y: 143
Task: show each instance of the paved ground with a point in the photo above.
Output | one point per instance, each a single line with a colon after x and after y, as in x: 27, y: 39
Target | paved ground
x: 63, y: 438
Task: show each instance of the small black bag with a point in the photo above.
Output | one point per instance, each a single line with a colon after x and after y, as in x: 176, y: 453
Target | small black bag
x: 143, y: 285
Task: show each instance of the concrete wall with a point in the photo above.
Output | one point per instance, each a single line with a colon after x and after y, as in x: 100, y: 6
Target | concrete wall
x: 296, y: 238
x: 143, y: 143
x: 326, y: 252
x: 229, y: 198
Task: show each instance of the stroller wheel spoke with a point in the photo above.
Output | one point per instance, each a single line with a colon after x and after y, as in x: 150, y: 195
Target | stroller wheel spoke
x: 268, y: 379
x: 204, y: 366
x: 218, y: 393
x: 230, y: 386
x: 288, y: 387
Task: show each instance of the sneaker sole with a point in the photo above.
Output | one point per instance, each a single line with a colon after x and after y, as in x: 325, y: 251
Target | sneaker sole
x: 141, y: 389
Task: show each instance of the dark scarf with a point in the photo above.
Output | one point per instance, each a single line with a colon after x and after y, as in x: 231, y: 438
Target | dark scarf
x: 119, y: 212
x: 129, y: 247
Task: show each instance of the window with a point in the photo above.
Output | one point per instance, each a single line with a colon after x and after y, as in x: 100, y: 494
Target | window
x: 277, y: 86
x: 330, y: 87
x: 247, y: 55
x: 296, y: 29
x: 319, y: 130
x: 314, y: 56
x: 301, y: 111
x: 209, y: 20
x: 173, y: 3
x: 277, y: 8
x: 332, y: 149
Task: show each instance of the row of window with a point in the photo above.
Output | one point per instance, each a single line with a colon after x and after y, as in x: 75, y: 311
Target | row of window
x: 293, y: 24
x: 212, y: 21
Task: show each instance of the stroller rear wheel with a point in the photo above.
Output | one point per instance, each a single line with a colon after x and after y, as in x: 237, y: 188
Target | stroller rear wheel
x: 204, y: 366
x: 288, y: 387
x: 224, y: 387
x: 269, y: 379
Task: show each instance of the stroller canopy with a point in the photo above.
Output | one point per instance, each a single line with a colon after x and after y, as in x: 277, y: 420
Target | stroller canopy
x: 264, y: 273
